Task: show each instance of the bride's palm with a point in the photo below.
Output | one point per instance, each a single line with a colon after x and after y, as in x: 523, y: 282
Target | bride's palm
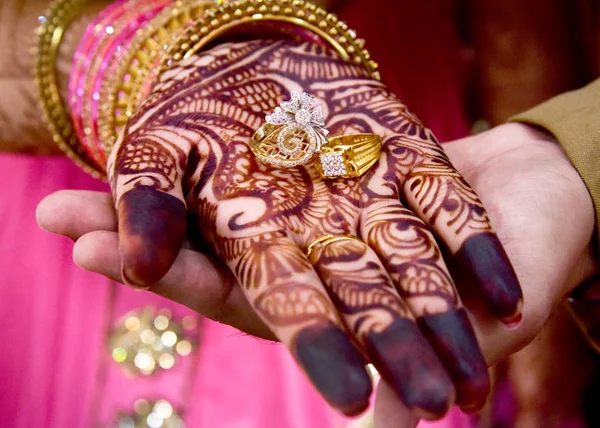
x: 184, y: 164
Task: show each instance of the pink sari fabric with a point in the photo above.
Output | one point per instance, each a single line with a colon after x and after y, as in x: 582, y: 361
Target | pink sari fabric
x: 55, y: 365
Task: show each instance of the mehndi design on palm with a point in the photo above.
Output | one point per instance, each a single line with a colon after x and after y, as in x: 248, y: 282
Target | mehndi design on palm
x: 185, y: 162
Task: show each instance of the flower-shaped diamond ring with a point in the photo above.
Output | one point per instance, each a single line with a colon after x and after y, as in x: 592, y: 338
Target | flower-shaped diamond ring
x: 295, y: 132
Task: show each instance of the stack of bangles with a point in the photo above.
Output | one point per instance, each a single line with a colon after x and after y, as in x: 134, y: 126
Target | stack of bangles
x: 131, y: 42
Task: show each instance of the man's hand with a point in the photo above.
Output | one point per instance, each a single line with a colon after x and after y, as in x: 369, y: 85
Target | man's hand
x: 544, y: 217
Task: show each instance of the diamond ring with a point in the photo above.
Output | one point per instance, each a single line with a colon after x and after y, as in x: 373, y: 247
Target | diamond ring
x: 295, y: 134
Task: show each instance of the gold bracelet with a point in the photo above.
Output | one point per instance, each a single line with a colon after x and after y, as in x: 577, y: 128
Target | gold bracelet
x: 219, y: 20
x: 53, y: 25
x: 133, y: 77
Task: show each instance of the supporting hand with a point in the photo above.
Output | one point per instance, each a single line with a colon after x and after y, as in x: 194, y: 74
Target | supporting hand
x: 544, y: 217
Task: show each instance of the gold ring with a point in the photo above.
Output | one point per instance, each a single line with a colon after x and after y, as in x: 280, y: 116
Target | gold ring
x: 349, y: 156
x: 295, y: 133
x: 328, y: 239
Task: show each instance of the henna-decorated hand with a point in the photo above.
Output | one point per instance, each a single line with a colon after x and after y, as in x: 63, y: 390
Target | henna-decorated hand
x: 185, y: 152
x: 532, y: 191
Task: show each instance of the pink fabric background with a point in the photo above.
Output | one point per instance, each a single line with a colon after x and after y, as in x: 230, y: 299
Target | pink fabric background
x: 55, y: 370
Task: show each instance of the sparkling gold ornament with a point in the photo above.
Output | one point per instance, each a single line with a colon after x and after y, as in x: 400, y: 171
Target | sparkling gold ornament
x: 149, y: 414
x: 145, y: 341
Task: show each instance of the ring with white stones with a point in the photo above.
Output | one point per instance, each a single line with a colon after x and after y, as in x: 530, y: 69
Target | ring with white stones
x: 295, y: 133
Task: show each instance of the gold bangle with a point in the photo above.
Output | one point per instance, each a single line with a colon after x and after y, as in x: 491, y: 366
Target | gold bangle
x: 133, y: 76
x: 54, y: 23
x: 219, y: 20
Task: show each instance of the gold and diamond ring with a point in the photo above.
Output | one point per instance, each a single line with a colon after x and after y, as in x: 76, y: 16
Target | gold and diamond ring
x: 294, y: 135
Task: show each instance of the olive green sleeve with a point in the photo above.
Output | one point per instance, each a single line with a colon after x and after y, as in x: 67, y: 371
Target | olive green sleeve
x: 574, y: 119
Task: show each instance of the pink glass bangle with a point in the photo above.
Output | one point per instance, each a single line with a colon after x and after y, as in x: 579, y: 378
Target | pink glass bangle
x: 101, y: 43
x: 106, y: 55
x: 81, y: 61
x: 104, y: 43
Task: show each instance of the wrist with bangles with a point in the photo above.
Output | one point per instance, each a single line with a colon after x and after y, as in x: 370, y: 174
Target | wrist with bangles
x: 119, y: 22
x: 128, y: 45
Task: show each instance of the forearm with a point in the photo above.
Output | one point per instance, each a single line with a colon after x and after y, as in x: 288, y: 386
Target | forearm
x: 22, y: 128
